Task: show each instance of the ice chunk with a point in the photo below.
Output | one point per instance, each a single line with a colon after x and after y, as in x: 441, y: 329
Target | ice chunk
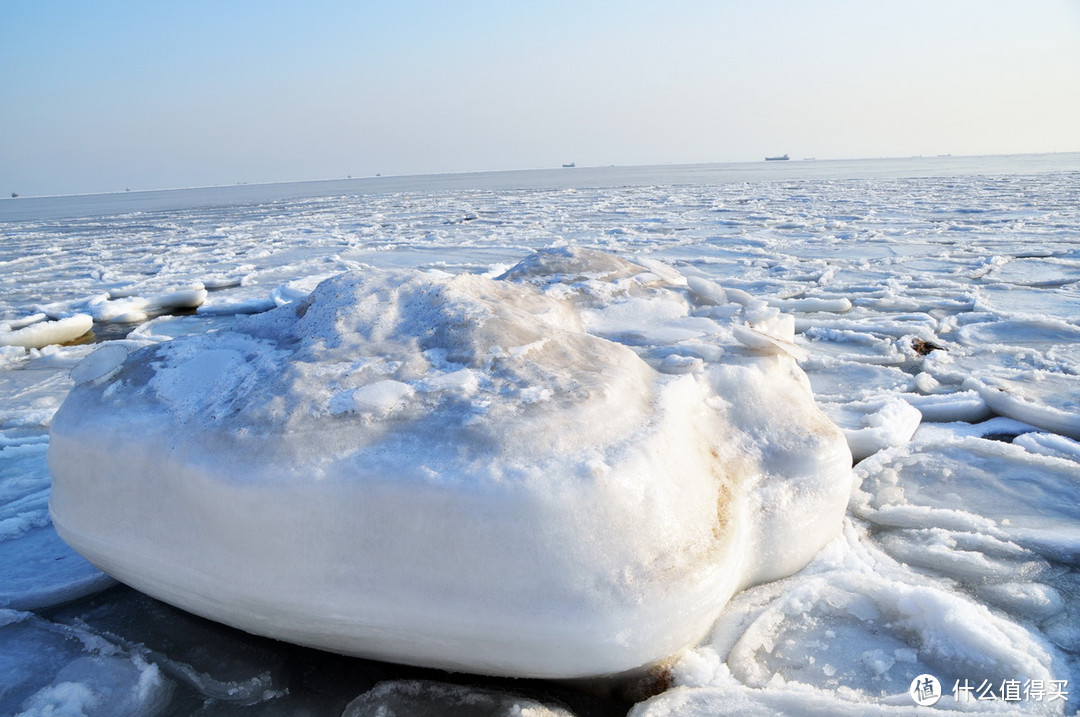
x: 872, y: 425
x: 126, y: 310
x: 674, y: 363
x: 738, y: 700
x: 1030, y: 600
x: 115, y: 308
x: 763, y: 341
x: 1041, y: 333
x: 231, y: 305
x: 706, y: 292
x: 177, y: 300
x: 295, y: 290
x: 380, y: 396
x: 840, y: 380
x: 946, y: 407
x: 813, y: 304
x: 101, y: 364
x: 43, y: 333
x: 326, y: 474
x: 572, y: 264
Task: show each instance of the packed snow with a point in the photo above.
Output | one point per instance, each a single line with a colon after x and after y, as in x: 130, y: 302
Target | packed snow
x: 931, y: 309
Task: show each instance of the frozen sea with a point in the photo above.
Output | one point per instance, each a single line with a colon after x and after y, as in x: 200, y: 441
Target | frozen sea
x: 938, y: 303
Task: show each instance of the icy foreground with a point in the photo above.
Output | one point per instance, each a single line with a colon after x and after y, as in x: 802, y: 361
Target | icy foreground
x: 562, y: 472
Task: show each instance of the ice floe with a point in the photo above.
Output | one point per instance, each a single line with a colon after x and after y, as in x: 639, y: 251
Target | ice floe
x: 37, y: 334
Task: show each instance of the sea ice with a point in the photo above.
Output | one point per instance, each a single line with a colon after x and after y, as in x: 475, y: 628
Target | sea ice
x: 215, y: 661
x: 42, y: 333
x: 508, y: 476
x: 50, y: 669
x: 102, y: 686
x: 871, y: 425
x: 112, y: 308
x: 418, y: 698
x: 1047, y: 399
x: 847, y: 636
x: 979, y: 485
x: 945, y: 287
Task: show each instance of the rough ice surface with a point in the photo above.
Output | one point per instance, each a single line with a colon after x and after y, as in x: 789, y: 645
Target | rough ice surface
x: 457, y: 471
x: 434, y: 699
x: 952, y: 285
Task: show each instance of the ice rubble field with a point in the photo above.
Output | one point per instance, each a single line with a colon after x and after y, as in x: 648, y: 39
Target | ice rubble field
x: 936, y: 319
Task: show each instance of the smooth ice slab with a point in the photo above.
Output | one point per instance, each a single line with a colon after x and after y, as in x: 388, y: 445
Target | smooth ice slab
x: 42, y: 333
x: 453, y: 471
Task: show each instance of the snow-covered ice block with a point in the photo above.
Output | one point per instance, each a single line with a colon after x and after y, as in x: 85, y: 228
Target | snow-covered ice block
x: 229, y: 306
x: 453, y: 471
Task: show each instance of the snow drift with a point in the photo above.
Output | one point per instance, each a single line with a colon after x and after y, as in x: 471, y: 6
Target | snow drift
x: 563, y: 471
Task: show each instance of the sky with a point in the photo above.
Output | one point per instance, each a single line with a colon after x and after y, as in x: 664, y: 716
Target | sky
x: 107, y: 95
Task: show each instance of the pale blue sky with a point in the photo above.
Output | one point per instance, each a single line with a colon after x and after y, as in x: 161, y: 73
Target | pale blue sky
x: 99, y: 96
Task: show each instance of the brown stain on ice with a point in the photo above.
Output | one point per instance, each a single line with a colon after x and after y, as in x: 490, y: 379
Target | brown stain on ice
x: 724, y: 495
x: 655, y: 680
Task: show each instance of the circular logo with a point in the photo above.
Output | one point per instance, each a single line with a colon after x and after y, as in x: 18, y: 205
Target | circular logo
x: 925, y: 690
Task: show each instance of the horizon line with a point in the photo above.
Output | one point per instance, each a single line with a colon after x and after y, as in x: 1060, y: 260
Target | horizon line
x: 368, y: 177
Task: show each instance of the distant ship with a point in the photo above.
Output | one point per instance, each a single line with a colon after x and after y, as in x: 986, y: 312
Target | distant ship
x: 781, y: 158
x: 570, y: 165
